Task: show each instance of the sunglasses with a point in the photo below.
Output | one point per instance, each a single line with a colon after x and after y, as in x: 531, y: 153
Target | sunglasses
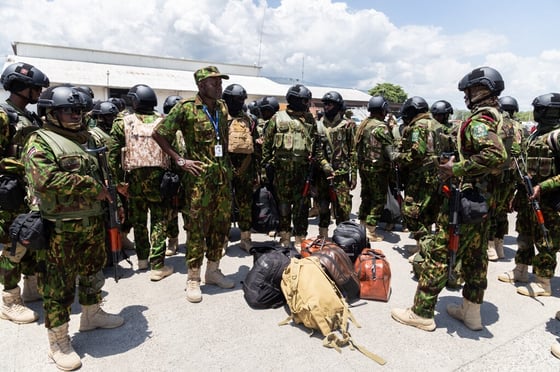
x: 71, y: 110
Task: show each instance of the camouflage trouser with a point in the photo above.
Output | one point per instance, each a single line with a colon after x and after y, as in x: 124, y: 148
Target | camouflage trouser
x: 209, y: 217
x: 75, y: 248
x: 11, y: 267
x: 502, y: 195
x: 531, y: 236
x: 242, y: 185
x: 421, y: 205
x: 289, y: 181
x: 472, y: 255
x: 343, y: 204
x: 159, y: 219
x: 373, y: 195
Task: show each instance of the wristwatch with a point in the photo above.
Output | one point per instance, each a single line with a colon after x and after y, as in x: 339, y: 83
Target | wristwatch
x: 181, y: 162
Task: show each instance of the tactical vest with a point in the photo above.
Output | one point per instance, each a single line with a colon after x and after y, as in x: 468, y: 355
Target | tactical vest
x: 368, y: 148
x: 100, y: 137
x: 292, y: 137
x: 141, y: 150
x: 70, y: 157
x: 543, y: 155
x: 20, y: 127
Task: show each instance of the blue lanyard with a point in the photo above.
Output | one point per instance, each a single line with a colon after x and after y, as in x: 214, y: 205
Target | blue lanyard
x: 215, y: 122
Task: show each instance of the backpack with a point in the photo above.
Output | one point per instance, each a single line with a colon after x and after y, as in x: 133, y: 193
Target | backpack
x: 261, y: 287
x: 337, y: 265
x: 27, y: 229
x: 315, y: 301
x: 264, y: 211
x: 351, y: 237
x: 141, y: 150
x: 240, y: 139
x: 12, y: 192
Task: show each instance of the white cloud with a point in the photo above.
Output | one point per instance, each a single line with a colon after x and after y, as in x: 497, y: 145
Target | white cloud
x: 328, y: 43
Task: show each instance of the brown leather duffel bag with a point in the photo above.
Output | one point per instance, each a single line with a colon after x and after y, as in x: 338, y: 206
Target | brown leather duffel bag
x: 374, y: 273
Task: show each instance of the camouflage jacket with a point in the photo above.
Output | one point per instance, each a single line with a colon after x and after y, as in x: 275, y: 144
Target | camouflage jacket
x: 373, y: 144
x: 337, y: 139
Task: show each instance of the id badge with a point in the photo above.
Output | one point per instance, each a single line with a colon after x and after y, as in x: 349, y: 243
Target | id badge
x: 218, y: 152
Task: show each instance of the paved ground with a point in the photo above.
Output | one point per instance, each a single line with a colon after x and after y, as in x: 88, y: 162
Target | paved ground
x: 164, y: 332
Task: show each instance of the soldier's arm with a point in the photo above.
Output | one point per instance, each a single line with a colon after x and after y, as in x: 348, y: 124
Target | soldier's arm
x: 115, y: 149
x: 268, y: 141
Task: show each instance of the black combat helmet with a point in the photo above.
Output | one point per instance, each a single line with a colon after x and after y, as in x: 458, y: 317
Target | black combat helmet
x: 336, y: 98
x: 104, y: 108
x: 143, y: 98
x: 119, y: 102
x: 60, y: 97
x: 378, y: 103
x: 234, y: 95
x: 87, y: 94
x: 18, y: 76
x: 486, y: 76
x: 298, y: 97
x: 441, y: 107
x: 412, y: 107
x: 269, y: 103
x: 509, y: 104
x: 546, y: 109
x: 170, y: 102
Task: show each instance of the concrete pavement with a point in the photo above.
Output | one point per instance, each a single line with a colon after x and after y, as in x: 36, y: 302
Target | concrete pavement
x: 164, y: 332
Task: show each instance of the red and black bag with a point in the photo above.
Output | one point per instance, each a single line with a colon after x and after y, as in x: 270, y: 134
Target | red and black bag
x: 374, y: 273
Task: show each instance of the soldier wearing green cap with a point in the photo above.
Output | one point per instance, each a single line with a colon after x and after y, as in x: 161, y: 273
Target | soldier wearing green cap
x: 206, y: 177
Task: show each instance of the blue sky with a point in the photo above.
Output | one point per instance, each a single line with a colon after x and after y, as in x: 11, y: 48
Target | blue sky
x: 425, y: 46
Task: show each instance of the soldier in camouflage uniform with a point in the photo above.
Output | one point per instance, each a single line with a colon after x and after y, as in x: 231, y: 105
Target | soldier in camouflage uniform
x: 336, y: 133
x: 289, y: 145
x: 480, y: 153
x: 417, y: 161
x: 511, y: 133
x: 374, y: 146
x: 542, y: 156
x: 66, y: 186
x: 141, y: 185
x: 242, y: 143
x: 207, y: 175
x: 25, y: 83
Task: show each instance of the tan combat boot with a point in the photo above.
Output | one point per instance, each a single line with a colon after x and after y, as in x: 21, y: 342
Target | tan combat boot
x: 297, y: 242
x: 214, y: 276
x: 246, y: 244
x: 158, y: 274
x: 408, y: 317
x: 30, y: 291
x: 172, y: 245
x: 520, y: 273
x: 541, y: 287
x: 60, y: 349
x: 555, y: 350
x: 285, y: 238
x: 94, y: 317
x: 499, y: 245
x: 371, y: 235
x: 468, y: 312
x: 193, y: 285
x: 13, y: 308
x: 324, y: 232
x: 491, y: 250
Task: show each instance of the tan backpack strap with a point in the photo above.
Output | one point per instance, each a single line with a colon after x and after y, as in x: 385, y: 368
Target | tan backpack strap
x: 376, y: 358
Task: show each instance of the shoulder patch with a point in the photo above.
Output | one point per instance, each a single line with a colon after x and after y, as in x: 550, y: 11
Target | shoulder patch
x: 479, y: 130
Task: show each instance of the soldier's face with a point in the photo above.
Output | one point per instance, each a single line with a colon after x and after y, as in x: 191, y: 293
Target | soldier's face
x: 70, y: 118
x: 211, y: 88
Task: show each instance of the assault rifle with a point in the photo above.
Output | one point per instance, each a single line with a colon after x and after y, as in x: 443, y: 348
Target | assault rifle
x: 112, y: 221
x: 454, y: 226
x: 307, y: 186
x: 534, y: 203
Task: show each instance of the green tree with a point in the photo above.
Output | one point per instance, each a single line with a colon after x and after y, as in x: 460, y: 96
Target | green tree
x: 392, y: 93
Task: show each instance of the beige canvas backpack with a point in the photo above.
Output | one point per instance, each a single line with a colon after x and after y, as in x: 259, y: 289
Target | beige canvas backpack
x: 141, y: 150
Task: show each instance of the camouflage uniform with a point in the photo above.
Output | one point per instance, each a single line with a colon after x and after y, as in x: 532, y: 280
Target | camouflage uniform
x: 244, y: 173
x: 12, y: 139
x: 73, y: 219
x: 288, y: 144
x: 417, y: 160
x: 337, y: 140
x: 144, y: 195
x: 374, y: 142
x: 209, y: 205
x: 542, y: 167
x: 481, y: 152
